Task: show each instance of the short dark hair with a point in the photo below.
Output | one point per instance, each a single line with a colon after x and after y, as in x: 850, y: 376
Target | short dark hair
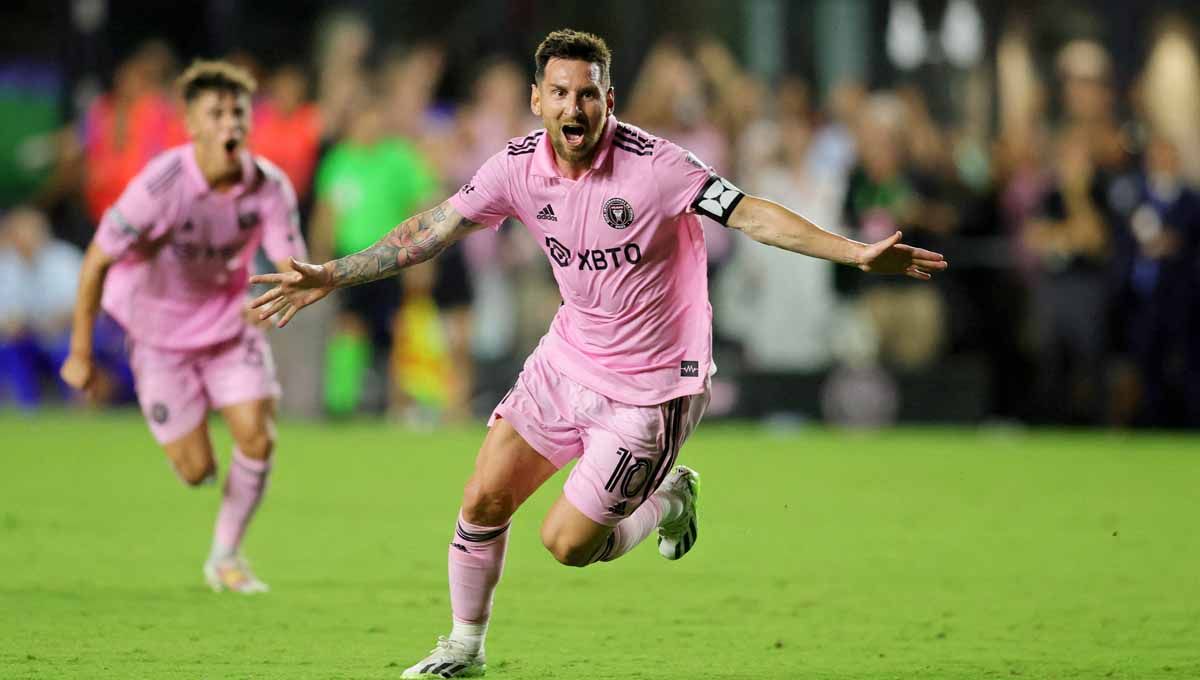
x: 204, y: 75
x: 569, y: 44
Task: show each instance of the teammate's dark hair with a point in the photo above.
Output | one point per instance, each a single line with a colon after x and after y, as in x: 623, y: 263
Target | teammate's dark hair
x: 204, y: 75
x: 568, y: 44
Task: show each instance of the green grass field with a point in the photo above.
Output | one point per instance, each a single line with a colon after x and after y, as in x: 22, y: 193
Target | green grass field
x: 923, y: 553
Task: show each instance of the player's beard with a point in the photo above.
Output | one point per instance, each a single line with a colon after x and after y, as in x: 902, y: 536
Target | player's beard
x: 584, y: 152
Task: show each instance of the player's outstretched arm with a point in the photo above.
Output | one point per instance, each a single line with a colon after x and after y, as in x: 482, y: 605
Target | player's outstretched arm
x: 79, y: 369
x: 770, y: 223
x: 417, y: 239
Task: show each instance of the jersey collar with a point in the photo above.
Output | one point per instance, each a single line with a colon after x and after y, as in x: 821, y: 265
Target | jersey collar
x: 544, y: 164
x: 249, y: 172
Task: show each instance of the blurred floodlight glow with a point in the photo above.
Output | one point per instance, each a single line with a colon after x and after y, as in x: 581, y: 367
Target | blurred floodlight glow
x: 906, y: 42
x: 962, y: 34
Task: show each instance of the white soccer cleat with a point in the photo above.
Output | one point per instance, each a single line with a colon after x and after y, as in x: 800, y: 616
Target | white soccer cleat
x: 678, y: 536
x: 232, y: 574
x: 450, y: 659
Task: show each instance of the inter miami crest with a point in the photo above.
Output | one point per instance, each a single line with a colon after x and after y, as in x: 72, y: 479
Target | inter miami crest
x: 248, y: 220
x: 618, y: 213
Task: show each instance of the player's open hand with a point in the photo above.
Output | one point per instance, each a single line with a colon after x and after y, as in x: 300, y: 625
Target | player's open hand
x: 293, y: 291
x: 889, y: 256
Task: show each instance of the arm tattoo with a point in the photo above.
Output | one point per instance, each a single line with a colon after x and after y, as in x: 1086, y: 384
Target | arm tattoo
x: 412, y: 242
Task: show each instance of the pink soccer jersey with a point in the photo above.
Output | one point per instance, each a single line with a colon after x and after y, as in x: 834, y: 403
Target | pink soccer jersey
x: 183, y: 251
x: 627, y: 252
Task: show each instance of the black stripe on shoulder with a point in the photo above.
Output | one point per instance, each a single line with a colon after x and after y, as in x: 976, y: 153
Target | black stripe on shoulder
x: 522, y: 152
x: 174, y: 166
x: 260, y: 177
x: 632, y: 132
x: 629, y: 141
x: 635, y: 151
x: 528, y: 141
x: 633, y: 136
x: 165, y: 178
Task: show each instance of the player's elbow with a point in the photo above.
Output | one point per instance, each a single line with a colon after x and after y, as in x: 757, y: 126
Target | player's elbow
x: 95, y: 259
x: 751, y: 216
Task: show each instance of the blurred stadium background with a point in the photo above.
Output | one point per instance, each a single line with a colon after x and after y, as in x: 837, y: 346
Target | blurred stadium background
x: 1050, y: 149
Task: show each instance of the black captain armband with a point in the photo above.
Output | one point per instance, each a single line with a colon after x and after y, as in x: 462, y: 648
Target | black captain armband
x: 717, y: 199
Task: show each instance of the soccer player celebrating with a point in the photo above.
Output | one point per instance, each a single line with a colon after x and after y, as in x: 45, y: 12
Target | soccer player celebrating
x: 171, y: 259
x: 622, y: 377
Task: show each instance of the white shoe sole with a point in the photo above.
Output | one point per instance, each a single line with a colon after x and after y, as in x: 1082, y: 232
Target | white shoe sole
x: 214, y: 582
x: 444, y: 670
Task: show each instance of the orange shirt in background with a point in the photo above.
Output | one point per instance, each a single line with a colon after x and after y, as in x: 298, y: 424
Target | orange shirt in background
x: 115, y: 150
x: 291, y: 141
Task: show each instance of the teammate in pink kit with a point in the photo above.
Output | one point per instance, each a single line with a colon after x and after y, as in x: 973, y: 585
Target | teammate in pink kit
x: 622, y: 377
x: 170, y: 263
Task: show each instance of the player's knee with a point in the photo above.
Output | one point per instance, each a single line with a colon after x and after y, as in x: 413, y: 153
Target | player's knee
x: 565, y: 551
x: 258, y: 445
x: 196, y: 471
x: 487, y: 507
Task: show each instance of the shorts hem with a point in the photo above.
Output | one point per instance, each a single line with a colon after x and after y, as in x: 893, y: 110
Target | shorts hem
x: 602, y: 520
x: 176, y: 432
x: 523, y: 428
x: 272, y: 392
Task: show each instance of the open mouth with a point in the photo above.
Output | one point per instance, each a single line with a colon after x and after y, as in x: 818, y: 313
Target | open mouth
x: 573, y: 133
x: 231, y: 145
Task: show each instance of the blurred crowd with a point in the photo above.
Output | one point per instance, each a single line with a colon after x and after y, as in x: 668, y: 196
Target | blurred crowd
x: 1066, y: 205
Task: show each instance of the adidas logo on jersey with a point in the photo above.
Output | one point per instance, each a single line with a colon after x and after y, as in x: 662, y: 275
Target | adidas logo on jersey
x: 619, y: 508
x: 547, y: 214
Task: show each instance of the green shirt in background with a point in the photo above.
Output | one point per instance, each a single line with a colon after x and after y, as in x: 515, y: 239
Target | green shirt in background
x: 372, y: 189
x: 27, y: 149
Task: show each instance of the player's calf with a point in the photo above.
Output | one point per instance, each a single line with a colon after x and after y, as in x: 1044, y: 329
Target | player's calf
x: 250, y: 465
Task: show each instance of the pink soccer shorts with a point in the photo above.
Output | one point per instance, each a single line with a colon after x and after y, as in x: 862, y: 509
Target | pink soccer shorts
x: 176, y: 388
x: 624, y: 451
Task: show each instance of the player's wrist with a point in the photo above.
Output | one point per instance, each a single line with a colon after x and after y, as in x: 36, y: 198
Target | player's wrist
x: 78, y: 354
x: 329, y: 275
x: 80, y: 346
x: 858, y: 256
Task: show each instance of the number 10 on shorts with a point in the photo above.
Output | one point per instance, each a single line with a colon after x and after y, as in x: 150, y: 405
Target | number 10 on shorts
x: 630, y: 476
